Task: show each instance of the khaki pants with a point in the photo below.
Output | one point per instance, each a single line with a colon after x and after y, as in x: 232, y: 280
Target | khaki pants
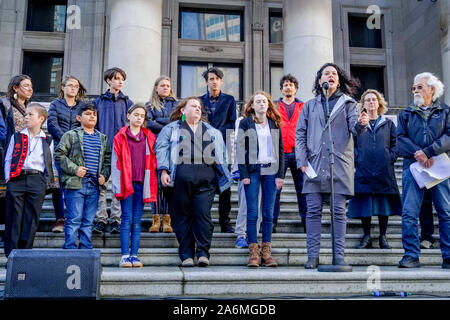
x: 102, y: 214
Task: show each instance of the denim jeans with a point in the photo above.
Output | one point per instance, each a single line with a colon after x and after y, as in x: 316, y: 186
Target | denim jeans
x: 132, y: 208
x: 268, y: 191
x: 81, y: 207
x: 297, y: 175
x: 412, y: 198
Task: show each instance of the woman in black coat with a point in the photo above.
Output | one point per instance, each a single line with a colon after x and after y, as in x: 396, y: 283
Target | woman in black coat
x: 62, y: 118
x: 12, y: 107
x: 376, y: 190
x: 161, y: 105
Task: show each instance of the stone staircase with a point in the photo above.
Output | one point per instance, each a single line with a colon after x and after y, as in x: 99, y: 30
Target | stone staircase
x: 228, y: 276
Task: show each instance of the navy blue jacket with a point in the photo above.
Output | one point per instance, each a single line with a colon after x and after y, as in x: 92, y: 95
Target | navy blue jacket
x: 156, y: 120
x: 245, y: 141
x: 375, y: 154
x: 414, y: 133
x: 112, y: 113
x: 225, y: 115
x: 62, y: 118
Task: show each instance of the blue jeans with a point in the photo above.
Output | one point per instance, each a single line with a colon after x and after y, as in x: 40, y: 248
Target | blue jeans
x: 268, y: 190
x: 297, y: 175
x: 81, y: 207
x: 132, y: 208
x: 412, y: 198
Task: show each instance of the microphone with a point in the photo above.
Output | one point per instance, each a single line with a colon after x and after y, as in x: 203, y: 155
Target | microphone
x: 325, y: 85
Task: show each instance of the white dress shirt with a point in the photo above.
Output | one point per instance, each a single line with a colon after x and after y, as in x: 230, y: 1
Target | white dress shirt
x: 35, y: 156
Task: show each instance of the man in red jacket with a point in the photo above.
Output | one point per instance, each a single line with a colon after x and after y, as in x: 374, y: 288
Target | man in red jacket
x: 289, y: 108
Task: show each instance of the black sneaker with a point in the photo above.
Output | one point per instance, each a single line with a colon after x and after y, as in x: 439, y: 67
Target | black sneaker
x: 99, y: 228
x: 226, y: 228
x: 409, y: 262
x: 115, y: 227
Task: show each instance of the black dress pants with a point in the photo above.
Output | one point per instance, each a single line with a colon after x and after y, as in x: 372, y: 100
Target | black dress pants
x: 24, y: 198
x: 190, y: 209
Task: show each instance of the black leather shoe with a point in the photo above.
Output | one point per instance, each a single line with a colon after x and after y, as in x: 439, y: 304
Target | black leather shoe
x: 366, y: 243
x: 226, y: 228
x: 383, y: 243
x: 312, y: 263
x: 409, y: 262
x: 99, y: 228
x: 341, y: 262
x: 446, y: 263
x: 115, y: 227
x: 274, y: 225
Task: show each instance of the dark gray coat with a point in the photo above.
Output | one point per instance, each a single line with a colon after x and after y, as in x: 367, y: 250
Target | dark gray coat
x: 312, y: 144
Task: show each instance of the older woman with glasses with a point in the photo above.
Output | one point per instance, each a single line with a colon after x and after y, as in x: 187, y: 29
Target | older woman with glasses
x: 376, y: 190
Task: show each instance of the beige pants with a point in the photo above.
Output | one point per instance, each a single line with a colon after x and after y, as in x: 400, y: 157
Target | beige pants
x: 102, y: 214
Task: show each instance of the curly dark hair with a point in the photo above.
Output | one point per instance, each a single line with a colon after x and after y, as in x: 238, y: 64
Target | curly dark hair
x: 348, y: 84
x: 288, y: 77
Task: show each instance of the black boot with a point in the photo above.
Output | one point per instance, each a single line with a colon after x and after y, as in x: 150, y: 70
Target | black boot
x: 365, y: 243
x: 274, y: 225
x: 312, y: 263
x: 383, y: 242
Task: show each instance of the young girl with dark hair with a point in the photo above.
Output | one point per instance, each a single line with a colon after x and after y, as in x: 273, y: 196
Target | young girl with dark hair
x: 134, y: 182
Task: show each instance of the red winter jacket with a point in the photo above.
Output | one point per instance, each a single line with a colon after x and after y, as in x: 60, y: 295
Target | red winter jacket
x: 288, y: 126
x: 122, y: 183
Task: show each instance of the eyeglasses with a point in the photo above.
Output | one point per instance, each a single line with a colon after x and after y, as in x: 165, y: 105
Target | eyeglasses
x: 419, y: 87
x: 72, y: 86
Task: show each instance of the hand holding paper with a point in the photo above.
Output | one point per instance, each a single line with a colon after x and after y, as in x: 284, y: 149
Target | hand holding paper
x: 438, y: 171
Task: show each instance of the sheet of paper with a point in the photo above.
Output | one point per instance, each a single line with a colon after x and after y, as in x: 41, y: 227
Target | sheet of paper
x: 438, y: 172
x: 310, y: 171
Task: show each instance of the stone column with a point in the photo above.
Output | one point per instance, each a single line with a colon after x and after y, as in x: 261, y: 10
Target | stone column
x: 135, y: 44
x: 444, y: 15
x: 308, y: 40
x: 257, y: 35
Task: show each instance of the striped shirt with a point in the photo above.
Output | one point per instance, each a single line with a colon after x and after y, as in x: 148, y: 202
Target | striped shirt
x: 91, y: 146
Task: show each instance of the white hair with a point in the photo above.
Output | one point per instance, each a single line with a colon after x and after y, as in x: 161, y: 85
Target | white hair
x: 433, y: 81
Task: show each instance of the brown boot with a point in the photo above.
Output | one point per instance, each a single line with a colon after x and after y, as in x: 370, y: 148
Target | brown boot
x: 166, y: 224
x: 266, y: 258
x: 156, y: 223
x: 253, y: 261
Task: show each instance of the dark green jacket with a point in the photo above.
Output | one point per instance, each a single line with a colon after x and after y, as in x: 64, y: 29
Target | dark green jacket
x: 70, y: 155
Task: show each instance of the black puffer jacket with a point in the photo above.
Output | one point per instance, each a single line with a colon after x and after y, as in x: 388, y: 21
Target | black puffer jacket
x: 62, y: 118
x: 156, y: 120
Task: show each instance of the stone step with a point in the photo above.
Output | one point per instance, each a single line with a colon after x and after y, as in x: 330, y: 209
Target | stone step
x: 220, y: 240
x: 284, y: 256
x: 284, y: 225
x: 239, y: 281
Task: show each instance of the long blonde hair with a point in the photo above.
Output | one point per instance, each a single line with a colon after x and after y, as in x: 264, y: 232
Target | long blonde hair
x: 155, y: 100
x: 382, y: 104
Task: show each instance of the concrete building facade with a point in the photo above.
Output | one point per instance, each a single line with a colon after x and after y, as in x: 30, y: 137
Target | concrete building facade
x: 383, y: 42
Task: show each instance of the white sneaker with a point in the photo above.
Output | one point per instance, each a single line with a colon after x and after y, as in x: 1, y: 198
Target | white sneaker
x: 125, y: 262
